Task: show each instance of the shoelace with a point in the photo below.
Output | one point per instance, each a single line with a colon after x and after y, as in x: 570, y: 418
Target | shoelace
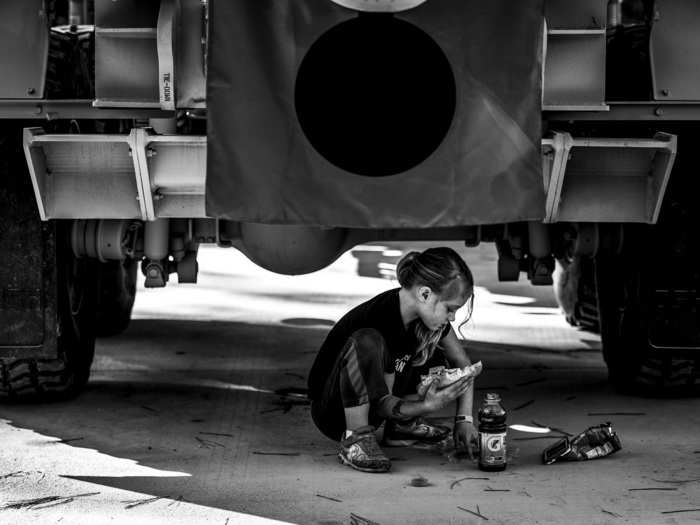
x: 371, y: 447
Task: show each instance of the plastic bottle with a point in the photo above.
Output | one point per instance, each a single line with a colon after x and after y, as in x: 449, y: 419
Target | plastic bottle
x: 492, y: 434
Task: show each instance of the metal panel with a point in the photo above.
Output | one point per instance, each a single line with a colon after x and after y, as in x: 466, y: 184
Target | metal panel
x: 150, y: 54
x: 126, y: 13
x: 24, y: 47
x: 140, y: 175
x: 126, y: 54
x: 191, y: 80
x: 578, y: 14
x: 83, y: 176
x: 675, y: 50
x: 27, y: 265
x: 575, y: 69
x: 607, y: 180
x: 73, y: 109
x: 126, y: 66
x: 175, y: 168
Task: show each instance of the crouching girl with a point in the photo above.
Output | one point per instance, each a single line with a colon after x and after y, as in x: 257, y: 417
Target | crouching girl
x: 368, y: 367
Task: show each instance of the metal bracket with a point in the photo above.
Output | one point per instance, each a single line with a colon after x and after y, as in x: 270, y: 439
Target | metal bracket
x: 606, y: 179
x: 559, y: 146
x: 137, y: 176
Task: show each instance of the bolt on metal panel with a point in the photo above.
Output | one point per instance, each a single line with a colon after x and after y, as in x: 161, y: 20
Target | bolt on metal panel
x: 24, y: 48
x: 675, y: 50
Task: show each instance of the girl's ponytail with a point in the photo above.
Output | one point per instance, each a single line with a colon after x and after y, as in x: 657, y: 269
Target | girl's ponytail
x: 442, y: 270
x: 405, y: 269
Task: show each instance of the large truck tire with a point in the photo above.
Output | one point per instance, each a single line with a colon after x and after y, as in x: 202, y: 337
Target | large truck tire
x: 117, y: 291
x: 39, y: 379
x: 47, y: 295
x: 629, y: 316
x: 575, y: 292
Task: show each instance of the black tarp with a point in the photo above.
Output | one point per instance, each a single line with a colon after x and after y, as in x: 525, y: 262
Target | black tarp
x: 262, y: 168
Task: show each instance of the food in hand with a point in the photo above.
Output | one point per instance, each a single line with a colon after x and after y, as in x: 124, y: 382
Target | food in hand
x: 447, y: 376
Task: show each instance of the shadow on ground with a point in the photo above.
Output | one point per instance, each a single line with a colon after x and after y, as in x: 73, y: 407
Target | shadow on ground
x: 199, y: 397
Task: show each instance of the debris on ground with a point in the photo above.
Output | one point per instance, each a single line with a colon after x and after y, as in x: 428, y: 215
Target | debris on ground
x: 677, y: 511
x: 40, y: 503
x: 208, y: 443
x: 177, y: 501
x: 420, y: 481
x: 136, y: 503
x: 289, y: 398
x: 356, y: 519
x: 14, y: 474
x: 613, y: 514
x: 678, y: 481
x: 457, y: 482
x: 594, y: 442
x: 477, y: 513
x: 329, y: 498
x: 654, y: 488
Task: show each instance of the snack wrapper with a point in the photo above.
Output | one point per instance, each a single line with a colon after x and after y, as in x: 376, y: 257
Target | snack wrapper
x: 446, y: 376
x: 595, y: 442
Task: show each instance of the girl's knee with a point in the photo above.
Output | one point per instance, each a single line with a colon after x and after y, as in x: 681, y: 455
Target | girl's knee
x: 369, y: 339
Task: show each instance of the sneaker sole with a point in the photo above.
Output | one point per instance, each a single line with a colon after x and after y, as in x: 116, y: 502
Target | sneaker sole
x: 343, y: 461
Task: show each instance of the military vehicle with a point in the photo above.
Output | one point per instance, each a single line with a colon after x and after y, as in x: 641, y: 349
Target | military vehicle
x: 134, y: 131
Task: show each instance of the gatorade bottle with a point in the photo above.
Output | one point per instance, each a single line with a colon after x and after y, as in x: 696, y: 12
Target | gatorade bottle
x: 492, y: 434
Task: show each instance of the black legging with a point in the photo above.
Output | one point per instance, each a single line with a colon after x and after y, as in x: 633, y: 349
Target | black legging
x: 357, y: 378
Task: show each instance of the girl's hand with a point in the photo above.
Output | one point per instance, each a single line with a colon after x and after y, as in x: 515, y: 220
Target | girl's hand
x: 436, y: 399
x: 466, y: 438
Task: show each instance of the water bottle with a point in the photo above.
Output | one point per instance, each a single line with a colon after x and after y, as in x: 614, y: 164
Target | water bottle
x: 492, y: 434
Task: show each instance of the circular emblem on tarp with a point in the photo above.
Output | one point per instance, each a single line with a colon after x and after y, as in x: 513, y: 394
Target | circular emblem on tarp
x: 375, y: 95
x: 380, y: 6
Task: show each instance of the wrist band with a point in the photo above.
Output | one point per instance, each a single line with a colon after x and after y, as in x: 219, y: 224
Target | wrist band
x: 468, y: 419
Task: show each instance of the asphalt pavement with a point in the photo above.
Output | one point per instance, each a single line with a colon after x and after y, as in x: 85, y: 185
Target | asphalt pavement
x: 196, y: 414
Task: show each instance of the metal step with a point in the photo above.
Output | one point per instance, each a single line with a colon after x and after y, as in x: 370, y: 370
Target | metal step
x: 137, y: 176
x: 146, y: 176
x: 605, y: 179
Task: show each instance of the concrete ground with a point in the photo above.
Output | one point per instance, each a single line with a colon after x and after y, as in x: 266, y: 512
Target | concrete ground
x: 183, y: 422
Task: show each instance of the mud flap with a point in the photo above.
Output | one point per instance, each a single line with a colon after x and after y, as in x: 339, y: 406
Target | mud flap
x: 28, y: 315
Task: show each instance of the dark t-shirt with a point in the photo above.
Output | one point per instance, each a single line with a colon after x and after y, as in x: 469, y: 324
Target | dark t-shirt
x: 382, y: 313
